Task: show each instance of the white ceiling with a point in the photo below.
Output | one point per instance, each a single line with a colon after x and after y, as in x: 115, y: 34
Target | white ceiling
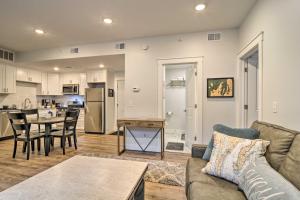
x: 74, y: 22
x: 111, y: 62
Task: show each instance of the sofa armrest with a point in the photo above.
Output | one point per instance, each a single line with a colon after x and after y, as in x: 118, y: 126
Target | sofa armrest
x: 198, y: 150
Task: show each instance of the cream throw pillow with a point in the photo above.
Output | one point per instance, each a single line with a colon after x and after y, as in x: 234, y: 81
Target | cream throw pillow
x: 231, y: 155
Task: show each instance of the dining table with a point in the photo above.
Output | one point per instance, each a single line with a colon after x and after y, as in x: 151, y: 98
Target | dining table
x: 48, y: 122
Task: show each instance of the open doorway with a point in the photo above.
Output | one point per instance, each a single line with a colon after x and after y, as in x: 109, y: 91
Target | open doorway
x: 180, y: 106
x: 251, y: 88
x: 120, y: 98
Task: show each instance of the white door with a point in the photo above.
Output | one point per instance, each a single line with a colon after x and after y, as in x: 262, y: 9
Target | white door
x: 191, y: 107
x: 251, y: 91
x: 120, y: 98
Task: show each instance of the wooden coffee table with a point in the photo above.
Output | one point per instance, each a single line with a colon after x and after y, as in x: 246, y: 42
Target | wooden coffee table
x: 82, y: 178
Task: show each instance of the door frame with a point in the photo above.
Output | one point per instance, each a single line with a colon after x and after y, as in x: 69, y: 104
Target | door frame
x: 254, y: 45
x: 198, y: 61
x: 116, y: 99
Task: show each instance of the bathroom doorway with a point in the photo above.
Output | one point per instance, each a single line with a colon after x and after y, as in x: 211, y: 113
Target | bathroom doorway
x: 180, y: 110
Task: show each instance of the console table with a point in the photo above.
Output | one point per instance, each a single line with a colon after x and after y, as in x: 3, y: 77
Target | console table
x: 130, y: 123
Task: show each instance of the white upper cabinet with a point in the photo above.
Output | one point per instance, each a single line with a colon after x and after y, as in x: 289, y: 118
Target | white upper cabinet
x: 28, y: 75
x: 82, y: 84
x: 8, y: 79
x: 70, y: 78
x: 98, y: 76
x: 53, y: 83
x: 44, y: 84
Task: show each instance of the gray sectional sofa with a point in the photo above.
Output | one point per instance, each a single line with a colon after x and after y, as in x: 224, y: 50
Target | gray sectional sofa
x: 283, y: 155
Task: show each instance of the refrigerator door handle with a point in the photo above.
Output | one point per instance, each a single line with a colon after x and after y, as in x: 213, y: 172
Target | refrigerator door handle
x: 103, y: 116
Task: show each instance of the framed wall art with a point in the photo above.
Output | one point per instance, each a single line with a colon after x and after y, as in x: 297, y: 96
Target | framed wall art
x: 220, y: 87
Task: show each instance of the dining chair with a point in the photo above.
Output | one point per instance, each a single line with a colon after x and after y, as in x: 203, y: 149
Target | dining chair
x: 21, y: 130
x: 68, y: 130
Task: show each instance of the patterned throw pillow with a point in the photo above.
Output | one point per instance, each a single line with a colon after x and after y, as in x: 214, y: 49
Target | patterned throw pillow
x: 231, y: 155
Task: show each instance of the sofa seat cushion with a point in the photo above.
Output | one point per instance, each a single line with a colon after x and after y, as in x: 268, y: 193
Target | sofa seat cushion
x: 194, y: 174
x: 205, y: 191
x: 290, y: 167
x: 281, y: 140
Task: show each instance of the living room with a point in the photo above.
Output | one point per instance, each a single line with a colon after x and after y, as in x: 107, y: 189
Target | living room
x: 146, y: 38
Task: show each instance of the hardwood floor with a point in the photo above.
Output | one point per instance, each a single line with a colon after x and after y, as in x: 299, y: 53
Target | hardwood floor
x: 13, y: 171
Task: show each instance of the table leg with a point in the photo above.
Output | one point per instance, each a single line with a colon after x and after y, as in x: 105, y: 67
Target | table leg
x: 118, y: 140
x: 47, y: 138
x: 124, y: 144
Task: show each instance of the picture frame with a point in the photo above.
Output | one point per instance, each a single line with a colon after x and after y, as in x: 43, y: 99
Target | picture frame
x: 220, y: 87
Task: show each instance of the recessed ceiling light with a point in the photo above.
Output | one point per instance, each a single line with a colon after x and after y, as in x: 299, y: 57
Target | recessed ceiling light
x: 101, y: 66
x: 200, y: 7
x: 56, y: 68
x: 39, y: 31
x: 107, y: 21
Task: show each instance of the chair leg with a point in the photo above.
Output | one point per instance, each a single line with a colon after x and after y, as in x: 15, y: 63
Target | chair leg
x: 15, y: 148
x: 69, y: 141
x: 64, y: 144
x: 24, y: 147
x: 75, y: 141
x: 52, y: 141
x: 39, y: 144
x: 32, y: 145
x: 61, y: 142
x: 28, y: 150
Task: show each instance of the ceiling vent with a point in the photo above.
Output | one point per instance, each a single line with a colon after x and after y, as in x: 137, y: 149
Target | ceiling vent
x: 214, y: 36
x: 120, y: 46
x: 74, y: 50
x: 7, y: 55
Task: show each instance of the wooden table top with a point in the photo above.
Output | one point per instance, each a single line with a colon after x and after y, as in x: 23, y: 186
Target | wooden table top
x: 142, y: 119
x: 45, y: 120
x: 107, y: 179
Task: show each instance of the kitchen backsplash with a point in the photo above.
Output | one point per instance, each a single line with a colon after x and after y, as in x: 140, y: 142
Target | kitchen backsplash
x: 64, y: 99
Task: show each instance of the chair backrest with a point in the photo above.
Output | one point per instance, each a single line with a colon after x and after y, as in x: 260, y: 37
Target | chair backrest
x: 19, y: 123
x: 31, y: 112
x: 71, y: 119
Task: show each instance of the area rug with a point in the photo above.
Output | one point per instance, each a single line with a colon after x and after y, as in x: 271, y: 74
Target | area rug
x: 164, y: 172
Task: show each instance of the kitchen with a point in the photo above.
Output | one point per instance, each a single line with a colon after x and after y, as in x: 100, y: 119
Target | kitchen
x: 54, y: 85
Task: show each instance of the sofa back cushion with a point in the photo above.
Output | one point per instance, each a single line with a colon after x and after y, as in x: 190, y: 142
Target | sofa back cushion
x: 290, y: 167
x: 281, y: 140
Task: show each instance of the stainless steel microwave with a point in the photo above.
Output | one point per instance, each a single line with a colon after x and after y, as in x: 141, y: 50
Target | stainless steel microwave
x: 70, y: 89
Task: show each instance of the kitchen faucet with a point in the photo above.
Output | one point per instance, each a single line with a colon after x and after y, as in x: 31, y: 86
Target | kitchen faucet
x: 27, y: 100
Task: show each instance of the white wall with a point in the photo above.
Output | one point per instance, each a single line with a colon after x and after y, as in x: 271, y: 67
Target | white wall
x: 23, y: 91
x: 281, y: 64
x: 141, y: 70
x: 175, y: 100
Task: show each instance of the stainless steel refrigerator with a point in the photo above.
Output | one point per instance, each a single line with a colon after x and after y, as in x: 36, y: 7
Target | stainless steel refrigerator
x: 94, y: 120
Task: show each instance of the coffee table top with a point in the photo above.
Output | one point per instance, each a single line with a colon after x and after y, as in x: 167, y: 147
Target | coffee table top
x: 81, y: 178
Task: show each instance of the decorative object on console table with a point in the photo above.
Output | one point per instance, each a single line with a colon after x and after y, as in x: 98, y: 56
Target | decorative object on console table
x: 220, y: 87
